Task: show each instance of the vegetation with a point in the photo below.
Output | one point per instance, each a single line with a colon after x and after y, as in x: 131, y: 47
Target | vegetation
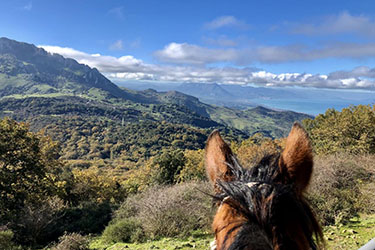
x: 352, y: 130
x: 6, y: 240
x: 144, y: 206
x: 72, y: 241
x: 28, y: 162
x: 352, y: 235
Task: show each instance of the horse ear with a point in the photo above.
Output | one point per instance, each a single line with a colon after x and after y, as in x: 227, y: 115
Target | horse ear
x: 218, y: 156
x: 297, y: 158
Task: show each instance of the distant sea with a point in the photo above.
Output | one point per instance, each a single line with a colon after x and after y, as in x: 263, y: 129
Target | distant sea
x: 309, y: 106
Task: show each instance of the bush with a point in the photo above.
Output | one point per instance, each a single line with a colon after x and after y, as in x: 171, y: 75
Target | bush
x: 34, y: 219
x: 6, y: 242
x: 335, y: 187
x: 169, y: 211
x: 72, y: 241
x: 86, y: 218
x: 366, y: 200
x: 124, y: 230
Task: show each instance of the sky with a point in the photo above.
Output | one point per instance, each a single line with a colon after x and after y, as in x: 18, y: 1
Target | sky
x: 319, y: 44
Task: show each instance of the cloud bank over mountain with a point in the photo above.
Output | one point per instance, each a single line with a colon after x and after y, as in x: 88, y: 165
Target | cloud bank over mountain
x: 130, y: 68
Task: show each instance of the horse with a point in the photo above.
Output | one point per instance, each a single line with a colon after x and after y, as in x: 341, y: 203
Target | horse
x: 263, y: 207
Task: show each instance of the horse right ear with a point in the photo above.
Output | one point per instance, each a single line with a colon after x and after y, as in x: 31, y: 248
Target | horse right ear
x: 218, y: 156
x: 297, y: 157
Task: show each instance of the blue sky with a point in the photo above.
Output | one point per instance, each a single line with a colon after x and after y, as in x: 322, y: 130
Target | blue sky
x: 323, y: 44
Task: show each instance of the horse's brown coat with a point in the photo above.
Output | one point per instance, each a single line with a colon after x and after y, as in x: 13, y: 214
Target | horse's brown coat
x: 226, y: 219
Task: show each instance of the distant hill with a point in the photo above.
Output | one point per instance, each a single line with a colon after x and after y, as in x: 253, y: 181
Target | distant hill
x: 305, y: 100
x: 269, y: 122
x: 236, y: 96
x: 26, y: 69
x: 94, y: 118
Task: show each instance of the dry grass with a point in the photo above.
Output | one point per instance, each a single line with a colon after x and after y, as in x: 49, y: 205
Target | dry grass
x: 73, y: 241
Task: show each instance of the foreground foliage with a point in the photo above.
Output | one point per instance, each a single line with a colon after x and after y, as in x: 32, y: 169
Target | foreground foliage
x: 126, y: 201
x: 352, y: 130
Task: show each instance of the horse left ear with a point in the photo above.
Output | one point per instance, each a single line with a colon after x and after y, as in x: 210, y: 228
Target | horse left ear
x: 297, y: 157
x: 218, y: 156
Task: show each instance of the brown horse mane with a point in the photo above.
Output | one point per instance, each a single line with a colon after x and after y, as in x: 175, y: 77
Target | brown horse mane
x: 258, y: 194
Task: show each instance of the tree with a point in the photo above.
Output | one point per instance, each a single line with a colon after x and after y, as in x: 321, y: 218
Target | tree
x: 351, y: 130
x: 194, y: 166
x: 170, y: 163
x: 27, y: 165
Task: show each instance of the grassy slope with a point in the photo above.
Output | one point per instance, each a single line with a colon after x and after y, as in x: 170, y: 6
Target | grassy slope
x: 351, y: 236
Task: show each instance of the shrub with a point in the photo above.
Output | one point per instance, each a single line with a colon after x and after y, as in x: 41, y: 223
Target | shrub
x: 6, y: 242
x: 34, y: 219
x: 72, y: 241
x: 123, y: 230
x: 169, y: 211
x: 86, y: 218
x: 335, y: 187
x: 366, y: 200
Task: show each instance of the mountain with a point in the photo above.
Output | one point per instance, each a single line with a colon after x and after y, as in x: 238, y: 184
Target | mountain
x: 95, y: 119
x: 269, y: 122
x: 306, y: 100
x: 26, y: 69
x: 220, y: 94
x: 211, y: 91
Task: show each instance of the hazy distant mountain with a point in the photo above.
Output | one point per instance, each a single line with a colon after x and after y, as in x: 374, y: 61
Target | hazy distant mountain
x: 211, y: 91
x: 306, y: 100
x: 220, y: 94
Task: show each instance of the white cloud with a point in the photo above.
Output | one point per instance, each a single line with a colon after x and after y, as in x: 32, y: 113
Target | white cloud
x: 193, y: 54
x: 184, y: 53
x: 226, y: 21
x: 101, y: 62
x: 129, y: 68
x: 336, y: 24
x: 116, y: 45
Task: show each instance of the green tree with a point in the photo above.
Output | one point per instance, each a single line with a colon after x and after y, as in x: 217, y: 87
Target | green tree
x: 194, y: 166
x: 170, y: 164
x: 351, y: 130
x: 27, y: 167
